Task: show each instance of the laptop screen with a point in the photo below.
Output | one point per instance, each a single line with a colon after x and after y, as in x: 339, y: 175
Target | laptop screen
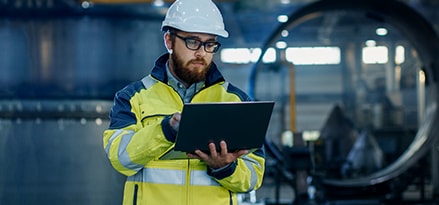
x: 242, y: 125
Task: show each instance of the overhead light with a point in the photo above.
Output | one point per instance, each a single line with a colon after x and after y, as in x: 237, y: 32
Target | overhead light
x: 85, y: 4
x: 282, y: 18
x: 281, y: 44
x: 284, y: 33
x: 370, y: 43
x: 381, y: 31
x: 399, y: 54
x: 159, y: 3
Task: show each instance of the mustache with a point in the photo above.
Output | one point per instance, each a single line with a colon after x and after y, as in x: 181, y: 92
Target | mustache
x: 198, y: 60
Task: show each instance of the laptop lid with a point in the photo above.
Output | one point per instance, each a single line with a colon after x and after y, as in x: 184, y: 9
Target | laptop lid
x: 243, y: 125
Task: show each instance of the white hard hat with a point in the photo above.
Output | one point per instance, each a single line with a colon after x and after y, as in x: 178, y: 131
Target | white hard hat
x: 201, y: 16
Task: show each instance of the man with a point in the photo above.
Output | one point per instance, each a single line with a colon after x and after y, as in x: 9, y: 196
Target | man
x: 146, y: 114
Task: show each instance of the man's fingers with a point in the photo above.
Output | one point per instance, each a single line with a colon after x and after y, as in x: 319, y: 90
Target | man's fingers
x: 213, y: 151
x: 223, y: 146
x: 177, y: 116
x: 175, y: 121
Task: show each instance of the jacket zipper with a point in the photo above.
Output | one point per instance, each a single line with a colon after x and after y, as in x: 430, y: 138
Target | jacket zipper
x: 136, y: 188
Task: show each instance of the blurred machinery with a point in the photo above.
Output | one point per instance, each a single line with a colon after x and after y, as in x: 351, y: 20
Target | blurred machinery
x: 376, y: 158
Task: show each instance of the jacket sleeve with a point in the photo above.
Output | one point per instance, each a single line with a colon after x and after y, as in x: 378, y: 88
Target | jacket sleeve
x: 244, y: 175
x: 132, y: 140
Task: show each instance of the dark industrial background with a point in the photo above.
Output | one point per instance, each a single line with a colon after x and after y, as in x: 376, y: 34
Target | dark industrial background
x: 61, y: 61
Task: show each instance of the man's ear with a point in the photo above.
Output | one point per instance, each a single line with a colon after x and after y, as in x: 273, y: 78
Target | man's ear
x: 168, y: 42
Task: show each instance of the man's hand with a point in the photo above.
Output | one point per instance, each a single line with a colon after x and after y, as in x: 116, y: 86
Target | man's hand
x: 216, y: 159
x: 175, y: 121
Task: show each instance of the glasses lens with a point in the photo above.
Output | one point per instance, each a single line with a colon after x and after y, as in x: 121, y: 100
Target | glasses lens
x: 193, y: 44
x: 211, y: 46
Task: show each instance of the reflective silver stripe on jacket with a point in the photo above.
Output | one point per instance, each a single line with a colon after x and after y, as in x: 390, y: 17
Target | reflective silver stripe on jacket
x: 200, y: 177
x: 148, y: 81
x: 115, y: 134
x: 249, y: 162
x: 226, y: 85
x: 175, y: 177
x: 122, y: 154
x: 159, y: 176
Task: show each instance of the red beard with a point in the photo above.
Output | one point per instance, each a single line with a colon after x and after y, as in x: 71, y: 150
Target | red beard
x: 190, y: 76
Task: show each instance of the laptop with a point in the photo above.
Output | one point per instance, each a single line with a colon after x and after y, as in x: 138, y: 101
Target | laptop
x: 243, y: 125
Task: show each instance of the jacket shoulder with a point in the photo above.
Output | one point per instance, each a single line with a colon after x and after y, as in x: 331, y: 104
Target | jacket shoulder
x: 131, y: 89
x: 237, y: 91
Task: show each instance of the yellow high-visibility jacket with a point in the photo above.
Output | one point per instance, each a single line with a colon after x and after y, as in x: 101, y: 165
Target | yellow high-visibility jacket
x: 139, y: 133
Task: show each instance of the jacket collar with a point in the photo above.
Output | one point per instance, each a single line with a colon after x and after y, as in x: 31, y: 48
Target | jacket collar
x: 159, y: 71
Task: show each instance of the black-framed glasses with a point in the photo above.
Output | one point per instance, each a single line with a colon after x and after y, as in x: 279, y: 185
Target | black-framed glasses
x: 195, y: 44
